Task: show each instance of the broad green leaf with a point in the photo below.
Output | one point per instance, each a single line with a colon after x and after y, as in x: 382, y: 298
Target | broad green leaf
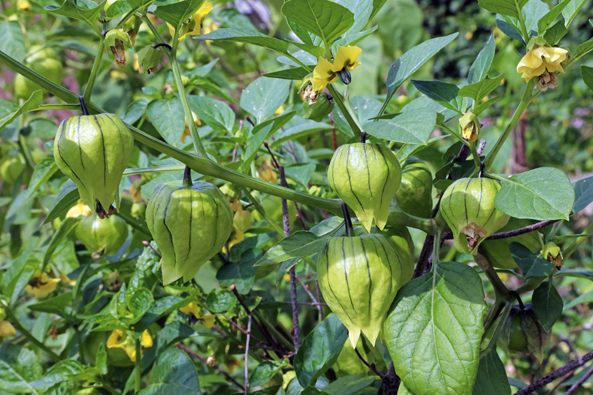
x: 362, y: 12
x: 377, y: 5
x: 555, y: 33
x: 571, y: 10
x: 177, y: 13
x: 264, y: 96
x: 584, y: 298
x: 480, y: 67
x: 134, y: 111
x: 532, y: 13
x: 484, y: 106
x: 587, y: 72
x: 532, y: 265
x: 492, y: 377
x: 41, y: 174
x: 565, y: 272
x: 168, y: 118
x: 63, y: 371
x: 411, y: 61
x: 240, y: 274
x: 434, y: 331
x: 160, y: 308
x: 353, y: 39
x: 350, y: 385
x: 9, y: 111
x: 305, y: 128
x: 12, y: 382
x: 117, y: 9
x: 324, y: 18
x: 542, y: 194
x: 140, y: 3
x: 314, y: 50
x: 214, y: 113
x: 551, y: 16
x: 547, y: 304
x: 56, y: 305
x: 320, y: 349
x: 480, y: 90
x: 67, y: 226
x: 292, y: 73
x: 583, y: 49
x: 263, y: 373
x: 139, y: 303
x: 13, y: 40
x: 411, y: 127
x: 168, y: 389
x: 509, y: 26
x: 174, y: 366
x: 246, y: 36
x: 261, y: 133
x: 301, y: 172
x: 503, y: 7
x: 101, y: 359
x: 221, y: 301
x: 85, y: 10
x: 365, y: 109
x: 67, y: 198
x: 441, y: 92
x: 583, y: 190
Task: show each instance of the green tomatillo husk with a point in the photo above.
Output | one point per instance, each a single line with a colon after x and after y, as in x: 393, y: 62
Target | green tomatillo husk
x: 414, y: 195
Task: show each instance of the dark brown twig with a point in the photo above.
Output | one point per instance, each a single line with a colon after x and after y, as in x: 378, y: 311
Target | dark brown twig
x: 319, y: 308
x: 195, y: 355
x: 247, y: 354
x: 245, y: 332
x: 576, y: 385
x: 511, y: 233
x: 371, y: 366
x: 547, y: 379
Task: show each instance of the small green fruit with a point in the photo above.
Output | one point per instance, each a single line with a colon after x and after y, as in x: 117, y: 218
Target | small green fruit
x: 414, y: 195
x: 324, y: 104
x: 11, y: 168
x: 190, y: 224
x: 468, y: 207
x: 359, y: 277
x: 366, y: 177
x: 524, y: 333
x: 138, y: 210
x: 93, y: 151
x: 498, y: 252
x: 102, y: 236
x: 43, y: 61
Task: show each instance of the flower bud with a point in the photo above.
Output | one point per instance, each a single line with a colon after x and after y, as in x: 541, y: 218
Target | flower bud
x: 149, y: 59
x: 414, y: 195
x: 232, y: 191
x: 468, y: 208
x: 524, y: 333
x: 366, y: 177
x: 552, y: 253
x: 138, y: 209
x: 469, y: 125
x: 117, y: 42
x: 211, y: 361
x: 242, y: 221
x: 323, y: 105
x: 131, y: 27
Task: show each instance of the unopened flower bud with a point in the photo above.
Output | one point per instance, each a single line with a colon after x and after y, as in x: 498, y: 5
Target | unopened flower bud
x: 553, y: 254
x: 211, y: 361
x: 323, y: 105
x: 470, y: 126
x: 117, y: 42
x: 149, y: 59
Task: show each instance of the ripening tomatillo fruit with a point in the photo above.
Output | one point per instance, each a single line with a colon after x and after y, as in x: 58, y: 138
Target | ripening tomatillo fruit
x: 414, y: 195
x: 102, y: 236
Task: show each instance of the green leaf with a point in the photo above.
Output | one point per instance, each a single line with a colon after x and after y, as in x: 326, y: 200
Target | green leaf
x: 555, y: 33
x: 139, y: 3
x: 583, y: 49
x: 532, y: 265
x: 41, y: 174
x: 480, y: 67
x: 509, y: 26
x: 134, y: 111
x: 434, y: 331
x: 221, y: 301
x: 298, y: 130
x: 84, y: 10
x: 484, y: 106
x: 320, y: 350
x: 542, y: 194
x: 263, y: 373
x: 63, y: 371
x: 587, y: 72
x: 533, y: 11
x: 9, y: 111
x: 551, y: 16
x: 242, y: 274
x: 117, y: 9
x: 264, y: 96
x: 168, y: 389
x: 13, y: 40
x: 56, y: 305
x: 492, y: 377
x: 162, y: 307
x: 503, y: 7
x: 101, y: 359
x: 362, y: 12
x: 11, y: 381
x: 584, y: 298
x: 480, y: 90
x: 214, y: 113
x: 411, y: 61
x: 350, y: 385
x: 178, y: 13
x: 547, y: 304
x: 174, y: 366
x: 324, y: 18
x: 58, y: 237
x: 139, y: 303
x: 583, y: 190
x: 168, y: 118
x: 411, y: 127
x: 67, y: 198
x: 571, y: 10
x: 443, y: 93
x: 565, y: 272
x: 293, y: 73
x: 247, y: 36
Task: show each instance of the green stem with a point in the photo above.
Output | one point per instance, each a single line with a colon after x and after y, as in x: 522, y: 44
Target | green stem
x: 291, y: 57
x: 133, y: 223
x: 451, y: 132
x: 153, y: 30
x: 260, y: 209
x: 80, y: 348
x: 138, y: 367
x: 499, y: 288
x: 474, y: 151
x: 522, y: 22
x: 45, y: 107
x: 17, y: 324
x: 511, y: 125
x: 159, y: 169
x: 573, y: 244
x: 94, y: 71
x: 346, y: 110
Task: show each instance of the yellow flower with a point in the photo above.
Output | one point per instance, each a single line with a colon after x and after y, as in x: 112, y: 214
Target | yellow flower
x: 236, y: 205
x: 41, y: 285
x: 186, y: 131
x: 266, y: 172
x: 541, y: 59
x: 81, y: 209
x: 238, y: 237
x: 136, y: 64
x: 209, y: 26
x: 326, y: 72
x: 6, y: 329
x: 193, y: 309
x: 23, y: 6
x: 121, y: 339
x: 192, y: 28
x: 279, y: 111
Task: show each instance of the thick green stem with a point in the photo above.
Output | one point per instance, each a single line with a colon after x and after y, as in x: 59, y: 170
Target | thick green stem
x: 138, y: 367
x: 346, y: 110
x: 507, y: 132
x: 17, y: 324
x: 94, y: 71
x: 499, y: 288
x: 475, y: 156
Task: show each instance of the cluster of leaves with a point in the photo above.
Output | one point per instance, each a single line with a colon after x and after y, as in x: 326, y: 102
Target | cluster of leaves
x: 238, y: 322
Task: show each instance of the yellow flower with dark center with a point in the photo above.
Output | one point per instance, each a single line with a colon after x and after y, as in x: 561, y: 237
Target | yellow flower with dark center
x: 193, y: 309
x: 80, y: 210
x: 41, y: 285
x: 121, y: 339
x: 6, y: 329
x: 541, y: 59
x: 194, y: 25
x: 23, y: 6
x: 327, y: 72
